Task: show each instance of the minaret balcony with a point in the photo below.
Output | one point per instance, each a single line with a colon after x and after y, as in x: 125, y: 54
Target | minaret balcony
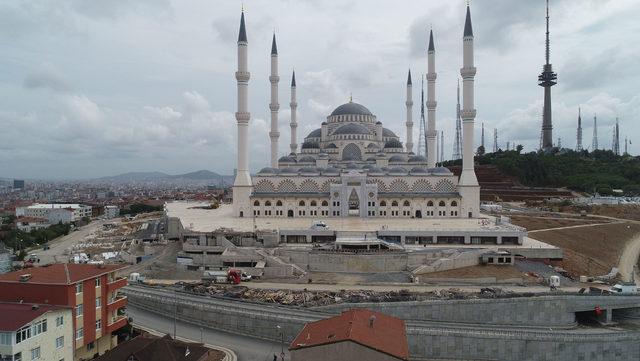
x: 432, y: 76
x: 243, y: 117
x: 243, y: 75
x: 468, y: 72
x: 431, y: 104
x: 274, y: 107
x: 274, y: 78
x: 468, y: 115
x: 409, y: 103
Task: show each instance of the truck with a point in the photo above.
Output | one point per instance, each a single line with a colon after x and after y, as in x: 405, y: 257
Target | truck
x: 230, y: 276
x: 624, y: 289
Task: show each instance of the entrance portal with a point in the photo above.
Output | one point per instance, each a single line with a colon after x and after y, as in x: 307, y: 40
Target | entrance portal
x: 354, y: 203
x: 290, y: 213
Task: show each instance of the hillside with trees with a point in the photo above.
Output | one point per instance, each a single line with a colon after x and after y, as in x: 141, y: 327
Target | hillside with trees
x: 599, y: 171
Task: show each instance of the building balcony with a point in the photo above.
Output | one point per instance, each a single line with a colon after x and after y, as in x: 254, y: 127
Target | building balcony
x: 116, y: 284
x: 117, y: 303
x: 116, y: 323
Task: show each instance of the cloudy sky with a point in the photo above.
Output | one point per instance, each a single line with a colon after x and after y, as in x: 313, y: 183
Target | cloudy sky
x: 95, y: 88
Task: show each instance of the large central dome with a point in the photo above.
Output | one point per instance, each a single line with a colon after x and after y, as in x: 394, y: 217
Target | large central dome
x: 351, y: 108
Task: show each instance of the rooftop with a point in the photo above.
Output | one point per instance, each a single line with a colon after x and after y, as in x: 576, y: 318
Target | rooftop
x: 60, y: 273
x: 15, y: 315
x: 152, y: 348
x: 55, y: 205
x: 371, y: 329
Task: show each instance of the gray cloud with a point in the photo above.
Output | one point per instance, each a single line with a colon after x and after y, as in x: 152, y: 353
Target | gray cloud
x: 47, y: 76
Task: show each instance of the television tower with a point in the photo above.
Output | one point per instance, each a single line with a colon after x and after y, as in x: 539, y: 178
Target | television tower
x: 547, y: 79
x: 579, y: 133
x: 626, y: 144
x: 594, y: 141
x: 482, y: 136
x: 495, y: 140
x: 616, y: 138
x: 442, y: 146
x: 422, y: 137
x: 559, y: 145
x: 457, y: 142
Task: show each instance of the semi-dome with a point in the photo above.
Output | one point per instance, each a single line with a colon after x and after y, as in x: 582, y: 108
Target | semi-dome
x: 308, y: 159
x: 372, y: 146
x: 331, y: 146
x: 268, y: 170
x: 331, y: 170
x: 315, y: 134
x: 352, y: 128
x: 308, y: 170
x: 418, y: 170
x: 440, y: 170
x: 351, y: 108
x: 310, y: 145
x: 352, y: 166
x: 397, y: 171
x: 417, y: 159
x: 375, y: 170
x: 396, y: 158
x: 388, y: 133
x: 287, y: 159
x: 393, y: 143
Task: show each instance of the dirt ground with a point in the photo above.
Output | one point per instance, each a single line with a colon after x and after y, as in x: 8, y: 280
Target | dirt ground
x: 627, y: 211
x: 590, y: 250
x: 532, y: 223
x: 499, y: 272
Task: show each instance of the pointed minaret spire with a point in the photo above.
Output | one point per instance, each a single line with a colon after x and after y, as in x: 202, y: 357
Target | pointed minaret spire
x: 242, y: 34
x: 457, y: 144
x: 409, y: 123
x: 274, y: 47
x: 431, y: 46
x: 468, y: 28
x: 293, y: 79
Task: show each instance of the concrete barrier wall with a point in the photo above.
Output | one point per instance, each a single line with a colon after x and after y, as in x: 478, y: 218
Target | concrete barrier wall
x: 340, y: 262
x: 426, y: 342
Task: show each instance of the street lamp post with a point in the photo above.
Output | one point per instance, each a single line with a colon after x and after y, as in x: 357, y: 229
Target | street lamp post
x: 282, y: 341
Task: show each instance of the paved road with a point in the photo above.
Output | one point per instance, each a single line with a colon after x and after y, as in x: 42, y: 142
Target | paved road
x: 247, y: 349
x: 629, y: 259
x: 57, y: 246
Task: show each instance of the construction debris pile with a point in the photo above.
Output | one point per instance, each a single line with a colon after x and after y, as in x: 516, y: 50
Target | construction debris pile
x: 306, y: 298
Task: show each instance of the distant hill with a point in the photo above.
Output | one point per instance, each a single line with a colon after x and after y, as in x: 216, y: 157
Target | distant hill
x: 199, y: 176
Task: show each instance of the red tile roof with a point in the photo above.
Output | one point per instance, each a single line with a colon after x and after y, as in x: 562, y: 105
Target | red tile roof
x: 60, y: 273
x: 152, y: 348
x: 15, y: 315
x: 387, y: 334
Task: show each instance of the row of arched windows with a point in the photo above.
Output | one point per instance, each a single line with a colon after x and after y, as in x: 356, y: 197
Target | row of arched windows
x: 408, y: 204
x: 301, y: 203
x: 313, y: 203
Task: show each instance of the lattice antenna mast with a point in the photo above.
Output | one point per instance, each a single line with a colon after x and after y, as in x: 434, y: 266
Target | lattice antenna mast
x: 616, y: 138
x: 579, y: 133
x: 422, y: 137
x: 495, y: 140
x: 457, y: 142
x: 559, y: 144
x: 482, y: 137
x: 594, y: 142
x: 547, y: 79
x: 442, y: 146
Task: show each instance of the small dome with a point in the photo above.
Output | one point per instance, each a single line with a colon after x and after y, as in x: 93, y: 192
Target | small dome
x: 367, y: 166
x: 372, y: 146
x: 371, y: 159
x: 310, y: 145
x: 397, y: 171
x: 440, y: 170
x: 380, y: 123
x: 331, y: 170
x: 351, y: 108
x: 289, y: 170
x: 387, y: 133
x: 375, y: 170
x: 315, y: 134
x: 307, y: 159
x: 308, y: 170
x: 287, y: 159
x: 396, y: 158
x: 268, y: 170
x: 352, y: 128
x: 323, y: 155
x: 393, y: 143
x: 381, y: 155
x: 331, y: 146
x: 324, y: 123
x: 418, y: 170
x: 352, y: 166
x: 417, y: 159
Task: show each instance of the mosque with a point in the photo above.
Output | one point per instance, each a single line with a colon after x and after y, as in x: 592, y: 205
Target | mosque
x: 352, y: 166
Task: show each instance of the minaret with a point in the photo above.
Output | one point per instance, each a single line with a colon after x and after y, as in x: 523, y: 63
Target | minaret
x: 468, y: 185
x: 547, y: 79
x: 594, y: 140
x: 242, y: 183
x: 432, y: 133
x: 579, y: 133
x: 457, y: 143
x: 409, y: 104
x: 422, y: 136
x: 294, y: 123
x: 495, y: 140
x: 274, y: 106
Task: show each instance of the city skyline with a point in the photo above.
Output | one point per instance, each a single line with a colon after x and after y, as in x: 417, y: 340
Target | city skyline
x: 82, y: 100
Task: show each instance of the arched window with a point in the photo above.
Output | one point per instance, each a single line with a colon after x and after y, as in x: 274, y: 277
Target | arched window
x: 442, y: 204
x: 256, y: 204
x: 406, y: 204
x: 325, y: 203
x: 454, y: 204
x: 314, y: 204
x: 430, y: 204
x: 383, y: 203
x: 279, y: 204
x: 301, y: 204
x: 267, y: 204
x: 394, y: 204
